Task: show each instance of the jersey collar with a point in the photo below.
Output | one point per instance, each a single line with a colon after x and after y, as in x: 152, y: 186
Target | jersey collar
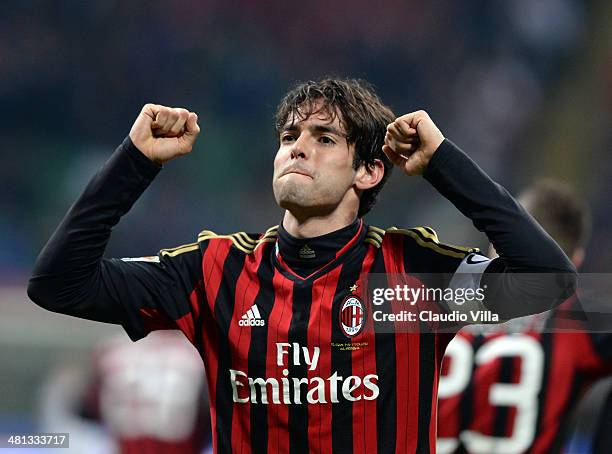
x: 304, y: 257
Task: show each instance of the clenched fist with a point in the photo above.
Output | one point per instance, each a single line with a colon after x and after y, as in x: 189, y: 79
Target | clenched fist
x: 162, y: 133
x: 411, y: 141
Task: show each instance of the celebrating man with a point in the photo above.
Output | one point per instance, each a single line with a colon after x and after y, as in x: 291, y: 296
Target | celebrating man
x: 292, y: 358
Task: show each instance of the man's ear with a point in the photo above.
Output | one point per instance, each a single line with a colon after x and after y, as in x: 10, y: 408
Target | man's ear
x: 370, y: 175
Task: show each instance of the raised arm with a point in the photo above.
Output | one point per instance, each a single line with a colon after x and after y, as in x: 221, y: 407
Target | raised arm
x: 531, y: 274
x: 70, y: 275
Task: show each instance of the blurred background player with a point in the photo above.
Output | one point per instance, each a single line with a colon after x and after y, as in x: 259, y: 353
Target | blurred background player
x: 144, y: 397
x: 512, y: 388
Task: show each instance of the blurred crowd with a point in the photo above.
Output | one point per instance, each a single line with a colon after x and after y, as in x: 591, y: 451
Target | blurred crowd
x: 76, y: 74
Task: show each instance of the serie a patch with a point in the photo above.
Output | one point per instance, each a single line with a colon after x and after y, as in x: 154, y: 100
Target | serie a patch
x: 151, y: 258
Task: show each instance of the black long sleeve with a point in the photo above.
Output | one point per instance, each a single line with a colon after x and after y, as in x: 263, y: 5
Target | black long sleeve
x: 71, y: 276
x: 531, y: 274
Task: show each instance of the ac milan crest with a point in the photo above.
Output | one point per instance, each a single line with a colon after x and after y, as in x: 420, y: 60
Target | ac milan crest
x: 352, y: 316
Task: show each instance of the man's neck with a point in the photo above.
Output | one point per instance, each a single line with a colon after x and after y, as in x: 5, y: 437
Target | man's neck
x: 316, y: 226
x: 304, y: 256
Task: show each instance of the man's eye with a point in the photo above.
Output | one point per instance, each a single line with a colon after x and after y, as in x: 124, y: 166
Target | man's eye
x: 287, y: 138
x: 327, y: 140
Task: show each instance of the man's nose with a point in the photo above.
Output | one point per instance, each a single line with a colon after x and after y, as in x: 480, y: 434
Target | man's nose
x: 299, y: 149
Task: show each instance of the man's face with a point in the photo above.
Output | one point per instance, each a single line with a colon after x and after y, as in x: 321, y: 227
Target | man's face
x: 313, y: 171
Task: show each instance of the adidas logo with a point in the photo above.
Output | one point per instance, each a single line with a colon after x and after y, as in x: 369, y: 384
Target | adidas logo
x: 306, y: 253
x: 252, y: 317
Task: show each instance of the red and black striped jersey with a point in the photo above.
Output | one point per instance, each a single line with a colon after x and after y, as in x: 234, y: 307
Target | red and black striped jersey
x: 283, y: 374
x: 513, y: 388
x: 292, y: 361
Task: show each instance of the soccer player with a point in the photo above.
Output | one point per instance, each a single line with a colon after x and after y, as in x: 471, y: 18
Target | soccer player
x: 292, y: 360
x: 513, y: 388
x: 144, y: 397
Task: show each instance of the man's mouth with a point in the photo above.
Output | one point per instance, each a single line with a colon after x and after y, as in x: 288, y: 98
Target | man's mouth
x: 298, y: 171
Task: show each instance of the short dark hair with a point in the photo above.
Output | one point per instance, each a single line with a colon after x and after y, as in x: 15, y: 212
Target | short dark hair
x: 363, y: 116
x: 564, y: 215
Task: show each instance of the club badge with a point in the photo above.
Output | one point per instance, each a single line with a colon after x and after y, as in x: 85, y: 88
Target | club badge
x: 352, y: 316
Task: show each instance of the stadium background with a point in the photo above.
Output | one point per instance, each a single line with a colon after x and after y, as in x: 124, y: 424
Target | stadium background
x: 523, y: 86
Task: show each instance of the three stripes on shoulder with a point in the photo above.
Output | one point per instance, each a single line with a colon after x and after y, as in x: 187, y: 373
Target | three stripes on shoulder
x: 423, y: 236
x: 241, y: 240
